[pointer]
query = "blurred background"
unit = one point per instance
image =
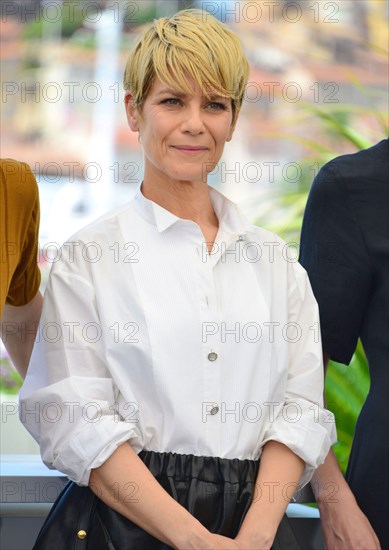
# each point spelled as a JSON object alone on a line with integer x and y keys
{"x": 318, "y": 88}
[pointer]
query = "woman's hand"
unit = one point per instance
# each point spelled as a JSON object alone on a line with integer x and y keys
{"x": 345, "y": 526}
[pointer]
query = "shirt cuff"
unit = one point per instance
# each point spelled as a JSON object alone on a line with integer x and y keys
{"x": 87, "y": 449}
{"x": 309, "y": 432}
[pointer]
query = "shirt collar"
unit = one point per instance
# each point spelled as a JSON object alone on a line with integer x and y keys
{"x": 231, "y": 218}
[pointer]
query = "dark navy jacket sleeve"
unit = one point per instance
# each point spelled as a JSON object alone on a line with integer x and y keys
{"x": 335, "y": 256}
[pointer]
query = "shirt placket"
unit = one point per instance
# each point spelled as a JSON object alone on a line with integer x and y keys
{"x": 212, "y": 351}
{"x": 210, "y": 348}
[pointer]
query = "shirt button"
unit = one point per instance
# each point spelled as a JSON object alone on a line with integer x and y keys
{"x": 214, "y": 410}
{"x": 212, "y": 356}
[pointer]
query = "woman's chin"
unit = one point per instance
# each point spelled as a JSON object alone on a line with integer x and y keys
{"x": 186, "y": 176}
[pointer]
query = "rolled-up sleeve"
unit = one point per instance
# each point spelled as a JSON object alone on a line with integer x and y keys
{"x": 301, "y": 423}
{"x": 67, "y": 401}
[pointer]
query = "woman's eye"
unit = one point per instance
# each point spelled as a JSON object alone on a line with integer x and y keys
{"x": 217, "y": 106}
{"x": 171, "y": 101}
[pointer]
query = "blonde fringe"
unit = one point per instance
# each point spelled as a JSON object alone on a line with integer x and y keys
{"x": 190, "y": 43}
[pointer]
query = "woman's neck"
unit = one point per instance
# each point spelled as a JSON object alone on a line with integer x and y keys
{"x": 185, "y": 199}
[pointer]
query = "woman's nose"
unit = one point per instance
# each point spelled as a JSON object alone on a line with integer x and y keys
{"x": 193, "y": 120}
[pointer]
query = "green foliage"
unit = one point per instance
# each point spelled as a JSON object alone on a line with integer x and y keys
{"x": 336, "y": 121}
{"x": 147, "y": 11}
{"x": 10, "y": 381}
{"x": 33, "y": 29}
{"x": 71, "y": 20}
{"x": 31, "y": 62}
{"x": 144, "y": 15}
{"x": 346, "y": 390}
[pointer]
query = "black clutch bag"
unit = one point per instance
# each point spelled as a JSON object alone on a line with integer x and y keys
{"x": 78, "y": 520}
{"x": 74, "y": 523}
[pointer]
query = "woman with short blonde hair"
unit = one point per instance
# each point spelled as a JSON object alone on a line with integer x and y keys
{"x": 196, "y": 407}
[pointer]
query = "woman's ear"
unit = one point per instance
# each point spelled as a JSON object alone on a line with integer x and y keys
{"x": 131, "y": 112}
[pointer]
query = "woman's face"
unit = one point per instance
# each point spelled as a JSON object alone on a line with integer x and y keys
{"x": 182, "y": 135}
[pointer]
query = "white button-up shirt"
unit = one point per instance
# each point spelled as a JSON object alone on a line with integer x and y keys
{"x": 146, "y": 337}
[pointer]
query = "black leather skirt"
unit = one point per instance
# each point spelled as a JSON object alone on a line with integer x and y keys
{"x": 216, "y": 491}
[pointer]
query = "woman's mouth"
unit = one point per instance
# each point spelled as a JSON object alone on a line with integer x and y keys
{"x": 190, "y": 148}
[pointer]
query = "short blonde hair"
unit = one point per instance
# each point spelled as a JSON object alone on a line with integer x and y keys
{"x": 191, "y": 42}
